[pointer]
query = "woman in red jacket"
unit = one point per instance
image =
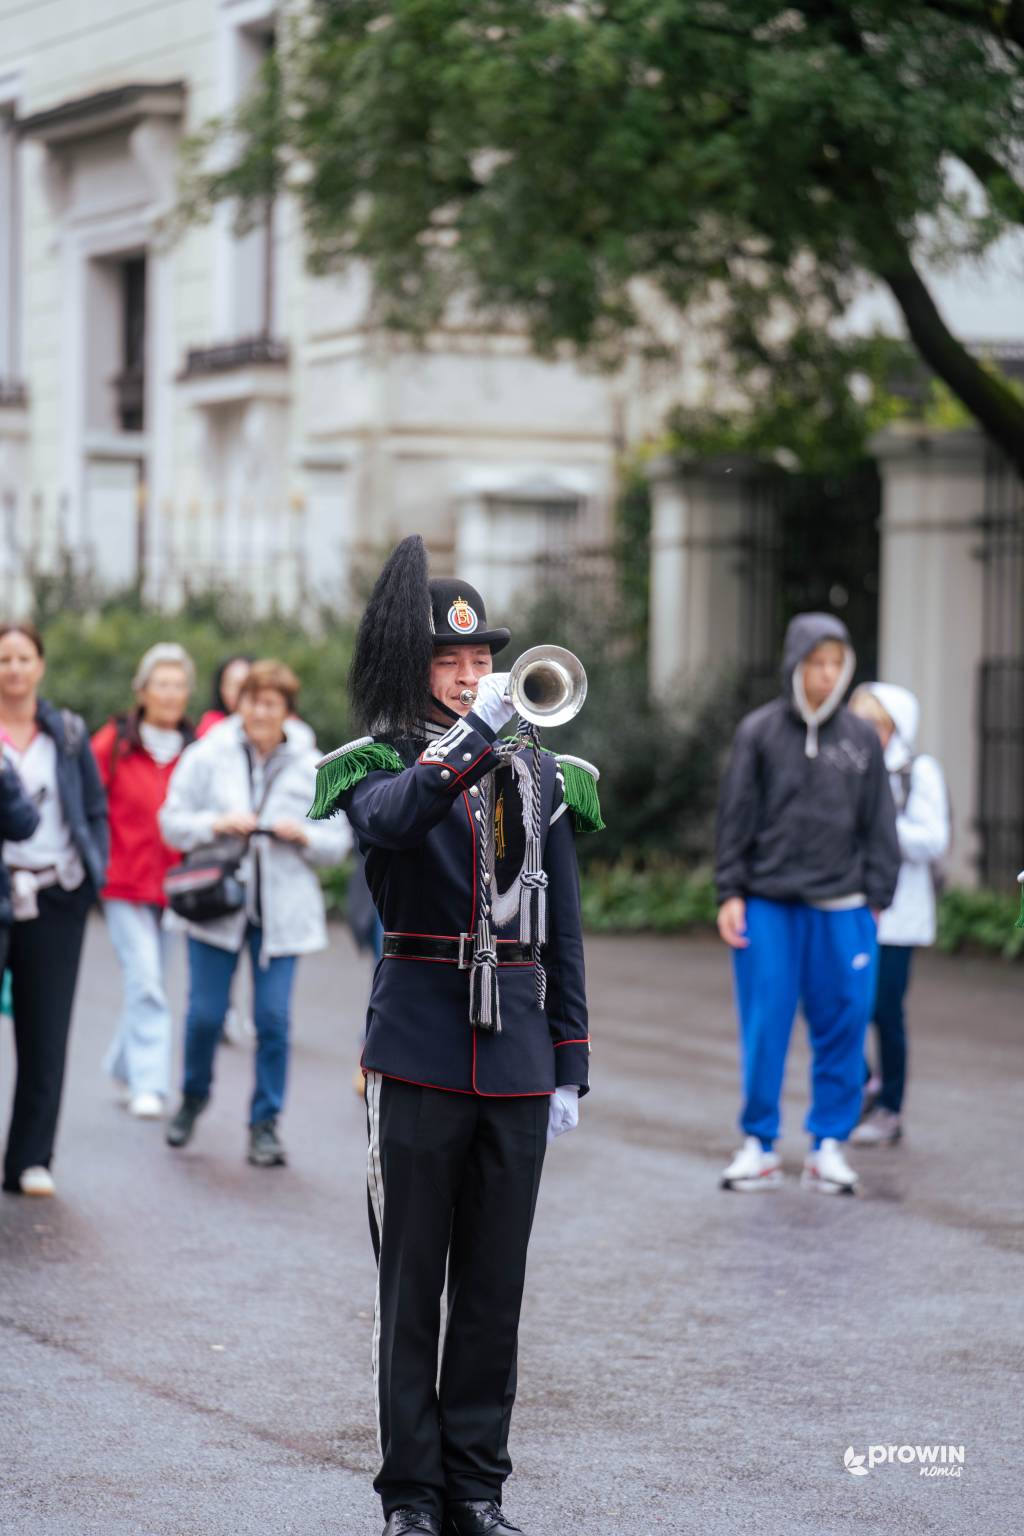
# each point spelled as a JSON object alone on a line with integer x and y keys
{"x": 136, "y": 754}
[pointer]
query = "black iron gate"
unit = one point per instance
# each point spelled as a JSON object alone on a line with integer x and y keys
{"x": 1000, "y": 816}
{"x": 811, "y": 544}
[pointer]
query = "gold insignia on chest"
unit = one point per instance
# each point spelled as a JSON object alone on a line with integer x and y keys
{"x": 499, "y": 827}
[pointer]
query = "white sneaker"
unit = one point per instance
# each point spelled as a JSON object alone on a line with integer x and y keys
{"x": 880, "y": 1127}
{"x": 146, "y": 1106}
{"x": 753, "y": 1168}
{"x": 827, "y": 1170}
{"x": 37, "y": 1181}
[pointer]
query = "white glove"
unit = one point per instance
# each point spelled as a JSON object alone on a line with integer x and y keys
{"x": 563, "y": 1112}
{"x": 492, "y": 704}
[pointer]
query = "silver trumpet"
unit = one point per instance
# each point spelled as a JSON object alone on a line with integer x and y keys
{"x": 547, "y": 685}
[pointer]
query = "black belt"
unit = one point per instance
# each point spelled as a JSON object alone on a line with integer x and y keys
{"x": 404, "y": 946}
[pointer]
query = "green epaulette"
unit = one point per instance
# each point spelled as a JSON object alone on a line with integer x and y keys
{"x": 579, "y": 784}
{"x": 579, "y": 779}
{"x": 345, "y": 766}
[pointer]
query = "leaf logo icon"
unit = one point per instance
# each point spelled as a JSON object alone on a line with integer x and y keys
{"x": 854, "y": 1464}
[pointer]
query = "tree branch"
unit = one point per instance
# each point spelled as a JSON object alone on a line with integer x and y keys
{"x": 995, "y": 407}
{"x": 1005, "y": 193}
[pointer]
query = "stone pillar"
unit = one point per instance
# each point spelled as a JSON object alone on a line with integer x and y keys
{"x": 931, "y": 597}
{"x": 699, "y": 530}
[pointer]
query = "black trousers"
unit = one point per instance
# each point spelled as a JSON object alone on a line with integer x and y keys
{"x": 43, "y": 959}
{"x": 452, "y": 1180}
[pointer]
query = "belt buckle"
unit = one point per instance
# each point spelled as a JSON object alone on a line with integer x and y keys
{"x": 464, "y": 939}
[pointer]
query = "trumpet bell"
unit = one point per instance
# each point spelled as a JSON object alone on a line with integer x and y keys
{"x": 548, "y": 685}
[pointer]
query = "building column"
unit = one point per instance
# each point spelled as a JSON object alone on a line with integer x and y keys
{"x": 931, "y": 632}
{"x": 700, "y": 529}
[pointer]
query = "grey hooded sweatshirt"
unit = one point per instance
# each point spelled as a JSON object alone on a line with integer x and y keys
{"x": 806, "y": 812}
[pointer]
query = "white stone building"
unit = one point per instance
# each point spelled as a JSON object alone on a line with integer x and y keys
{"x": 205, "y": 410}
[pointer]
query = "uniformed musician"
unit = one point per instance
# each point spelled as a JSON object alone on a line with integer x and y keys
{"x": 477, "y": 1042}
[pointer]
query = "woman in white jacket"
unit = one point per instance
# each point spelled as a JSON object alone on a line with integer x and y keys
{"x": 257, "y": 770}
{"x": 923, "y": 828}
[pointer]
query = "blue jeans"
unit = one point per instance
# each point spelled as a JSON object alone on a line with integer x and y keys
{"x": 140, "y": 1053}
{"x": 211, "y": 971}
{"x": 828, "y": 961}
{"x": 893, "y": 978}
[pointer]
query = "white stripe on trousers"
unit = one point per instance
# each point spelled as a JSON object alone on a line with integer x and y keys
{"x": 375, "y": 1185}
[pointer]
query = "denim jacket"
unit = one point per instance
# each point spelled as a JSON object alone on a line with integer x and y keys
{"x": 82, "y": 796}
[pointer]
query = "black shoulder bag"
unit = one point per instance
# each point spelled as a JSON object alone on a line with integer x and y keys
{"x": 205, "y": 885}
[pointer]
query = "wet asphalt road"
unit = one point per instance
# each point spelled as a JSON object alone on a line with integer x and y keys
{"x": 184, "y": 1340}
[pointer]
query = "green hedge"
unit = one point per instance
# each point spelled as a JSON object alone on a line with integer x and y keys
{"x": 980, "y": 920}
{"x": 91, "y": 657}
{"x": 656, "y": 898}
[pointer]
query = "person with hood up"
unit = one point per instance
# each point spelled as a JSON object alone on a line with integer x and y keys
{"x": 806, "y": 859}
{"x": 923, "y": 829}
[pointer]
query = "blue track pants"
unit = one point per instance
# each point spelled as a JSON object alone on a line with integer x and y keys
{"x": 828, "y": 962}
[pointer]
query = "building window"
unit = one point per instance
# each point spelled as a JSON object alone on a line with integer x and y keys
{"x": 116, "y": 343}
{"x": 254, "y": 255}
{"x": 534, "y": 532}
{"x": 130, "y": 383}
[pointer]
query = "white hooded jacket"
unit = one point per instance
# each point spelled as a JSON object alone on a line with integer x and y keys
{"x": 922, "y": 825}
{"x": 212, "y": 778}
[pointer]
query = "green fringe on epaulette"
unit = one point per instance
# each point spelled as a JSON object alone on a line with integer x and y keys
{"x": 580, "y": 793}
{"x": 1020, "y": 921}
{"x": 582, "y": 798}
{"x": 342, "y": 772}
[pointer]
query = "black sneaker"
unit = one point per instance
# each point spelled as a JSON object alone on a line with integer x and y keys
{"x": 265, "y": 1150}
{"x": 179, "y": 1130}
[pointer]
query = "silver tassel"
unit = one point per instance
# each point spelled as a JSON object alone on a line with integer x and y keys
{"x": 533, "y": 900}
{"x": 484, "y": 1004}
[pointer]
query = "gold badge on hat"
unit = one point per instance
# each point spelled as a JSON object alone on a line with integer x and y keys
{"x": 462, "y": 617}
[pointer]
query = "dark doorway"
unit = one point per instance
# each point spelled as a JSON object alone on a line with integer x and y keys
{"x": 811, "y": 545}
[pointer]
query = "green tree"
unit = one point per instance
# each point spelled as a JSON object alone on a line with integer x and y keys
{"x": 535, "y": 159}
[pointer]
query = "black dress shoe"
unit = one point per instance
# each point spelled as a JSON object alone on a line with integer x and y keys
{"x": 179, "y": 1130}
{"x": 265, "y": 1150}
{"x": 402, "y": 1520}
{"x": 477, "y": 1517}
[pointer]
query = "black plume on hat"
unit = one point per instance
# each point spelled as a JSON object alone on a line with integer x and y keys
{"x": 389, "y": 682}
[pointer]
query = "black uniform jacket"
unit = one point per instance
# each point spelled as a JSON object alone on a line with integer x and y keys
{"x": 419, "y": 830}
